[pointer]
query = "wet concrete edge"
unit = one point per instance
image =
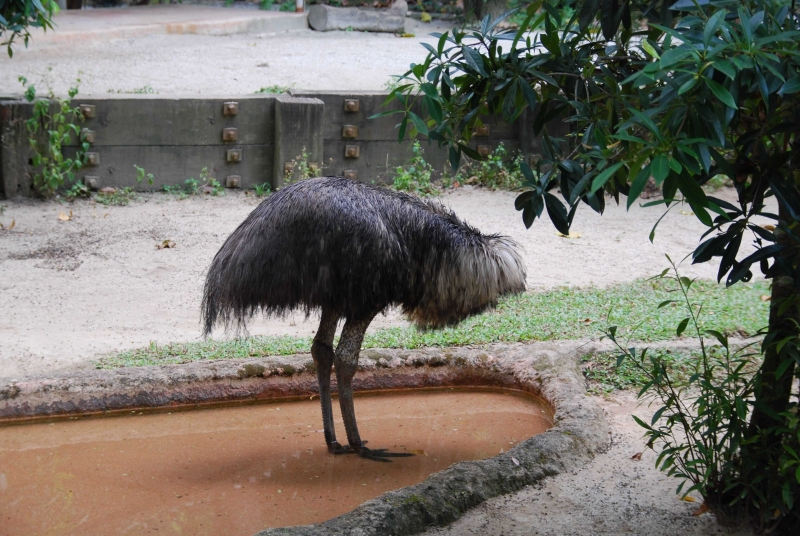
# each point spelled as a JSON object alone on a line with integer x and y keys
{"x": 549, "y": 370}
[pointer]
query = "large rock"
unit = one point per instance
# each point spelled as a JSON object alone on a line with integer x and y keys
{"x": 326, "y": 18}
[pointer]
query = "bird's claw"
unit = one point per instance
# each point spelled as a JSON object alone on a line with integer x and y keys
{"x": 382, "y": 455}
{"x": 335, "y": 448}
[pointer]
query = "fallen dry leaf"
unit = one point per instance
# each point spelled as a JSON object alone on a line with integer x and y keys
{"x": 637, "y": 456}
{"x": 166, "y": 244}
{"x": 768, "y": 227}
{"x": 765, "y": 298}
{"x": 4, "y": 228}
{"x": 456, "y": 184}
{"x": 418, "y": 452}
{"x": 587, "y": 320}
{"x": 688, "y": 499}
{"x": 700, "y": 511}
{"x": 686, "y": 213}
{"x": 107, "y": 190}
{"x": 571, "y": 234}
{"x": 516, "y": 461}
{"x": 63, "y": 216}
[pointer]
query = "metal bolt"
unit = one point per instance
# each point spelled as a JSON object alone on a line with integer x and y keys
{"x": 87, "y": 110}
{"x": 91, "y": 182}
{"x": 230, "y": 134}
{"x": 230, "y": 108}
{"x": 87, "y": 135}
{"x": 351, "y": 105}
{"x": 482, "y": 130}
{"x": 352, "y": 151}
{"x": 233, "y": 181}
{"x": 351, "y": 174}
{"x": 350, "y": 131}
{"x": 92, "y": 159}
{"x": 484, "y": 150}
{"x": 234, "y": 155}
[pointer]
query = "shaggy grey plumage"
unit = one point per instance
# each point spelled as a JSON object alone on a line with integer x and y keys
{"x": 351, "y": 250}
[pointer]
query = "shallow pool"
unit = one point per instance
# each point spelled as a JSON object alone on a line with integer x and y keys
{"x": 238, "y": 469}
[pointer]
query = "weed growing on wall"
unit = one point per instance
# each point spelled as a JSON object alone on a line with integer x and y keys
{"x": 301, "y": 168}
{"x": 53, "y": 125}
{"x": 416, "y": 176}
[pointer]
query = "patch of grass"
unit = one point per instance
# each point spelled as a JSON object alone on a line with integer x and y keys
{"x": 498, "y": 171}
{"x": 119, "y": 197}
{"x": 207, "y": 185}
{"x": 144, "y": 90}
{"x": 565, "y": 313}
{"x": 275, "y": 89}
{"x": 198, "y": 351}
{"x": 605, "y": 376}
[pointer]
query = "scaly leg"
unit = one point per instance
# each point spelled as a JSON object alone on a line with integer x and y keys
{"x": 322, "y": 352}
{"x": 346, "y": 365}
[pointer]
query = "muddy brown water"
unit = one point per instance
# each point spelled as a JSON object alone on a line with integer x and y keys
{"x": 237, "y": 470}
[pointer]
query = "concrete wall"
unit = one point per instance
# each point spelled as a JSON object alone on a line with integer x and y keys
{"x": 251, "y": 139}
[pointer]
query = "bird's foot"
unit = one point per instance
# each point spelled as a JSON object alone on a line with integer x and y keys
{"x": 378, "y": 455}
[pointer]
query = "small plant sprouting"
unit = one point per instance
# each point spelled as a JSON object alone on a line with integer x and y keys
{"x": 52, "y": 126}
{"x": 261, "y": 190}
{"x": 141, "y": 175}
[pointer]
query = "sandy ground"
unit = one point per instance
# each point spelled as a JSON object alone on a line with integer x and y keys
{"x": 73, "y": 290}
{"x": 220, "y": 65}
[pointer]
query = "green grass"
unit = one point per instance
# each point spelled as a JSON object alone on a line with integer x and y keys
{"x": 565, "y": 313}
{"x": 605, "y": 376}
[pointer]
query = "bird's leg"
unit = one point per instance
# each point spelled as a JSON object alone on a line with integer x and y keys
{"x": 322, "y": 352}
{"x": 346, "y": 365}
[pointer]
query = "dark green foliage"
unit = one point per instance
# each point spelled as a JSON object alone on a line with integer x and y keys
{"x": 18, "y": 16}
{"x": 677, "y": 92}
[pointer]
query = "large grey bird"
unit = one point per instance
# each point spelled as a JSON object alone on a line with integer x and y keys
{"x": 351, "y": 250}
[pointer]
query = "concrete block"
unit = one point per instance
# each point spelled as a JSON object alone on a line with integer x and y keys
{"x": 154, "y": 120}
{"x": 325, "y": 18}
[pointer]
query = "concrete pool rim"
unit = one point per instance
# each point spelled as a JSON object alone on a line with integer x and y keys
{"x": 550, "y": 371}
